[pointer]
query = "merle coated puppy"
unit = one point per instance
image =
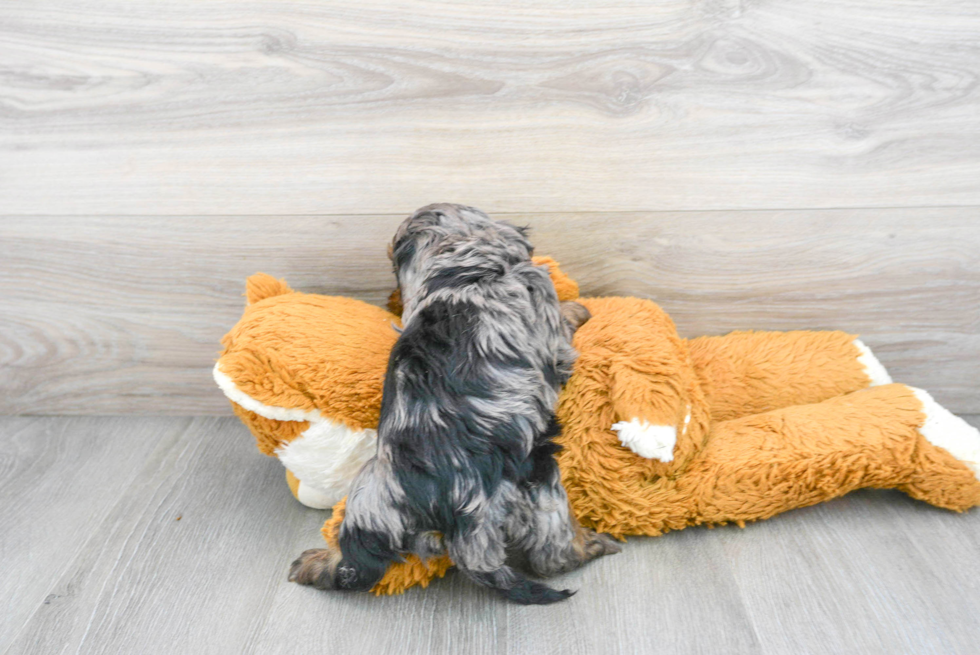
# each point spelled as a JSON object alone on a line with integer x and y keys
{"x": 466, "y": 457}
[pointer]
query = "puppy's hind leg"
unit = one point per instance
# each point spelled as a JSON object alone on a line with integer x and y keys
{"x": 479, "y": 553}
{"x": 543, "y": 526}
{"x": 316, "y": 567}
{"x": 371, "y": 531}
{"x": 357, "y": 565}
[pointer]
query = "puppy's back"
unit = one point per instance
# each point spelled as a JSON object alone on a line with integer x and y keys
{"x": 473, "y": 379}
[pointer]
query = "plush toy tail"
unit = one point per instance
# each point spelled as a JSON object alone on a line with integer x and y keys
{"x": 261, "y": 286}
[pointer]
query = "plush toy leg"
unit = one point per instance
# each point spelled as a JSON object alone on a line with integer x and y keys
{"x": 306, "y": 494}
{"x": 293, "y": 482}
{"x": 887, "y": 437}
{"x": 746, "y": 373}
{"x": 949, "y": 443}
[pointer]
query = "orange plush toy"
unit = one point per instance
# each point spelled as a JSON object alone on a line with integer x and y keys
{"x": 659, "y": 432}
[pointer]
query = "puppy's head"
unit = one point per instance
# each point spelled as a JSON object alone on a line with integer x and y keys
{"x": 446, "y": 234}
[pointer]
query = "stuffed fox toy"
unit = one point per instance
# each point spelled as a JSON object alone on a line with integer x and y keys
{"x": 659, "y": 432}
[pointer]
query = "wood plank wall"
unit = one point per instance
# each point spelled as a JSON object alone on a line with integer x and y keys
{"x": 746, "y": 164}
{"x": 123, "y": 314}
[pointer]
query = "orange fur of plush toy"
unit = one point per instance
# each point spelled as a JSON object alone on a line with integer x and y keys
{"x": 764, "y": 421}
{"x": 279, "y": 361}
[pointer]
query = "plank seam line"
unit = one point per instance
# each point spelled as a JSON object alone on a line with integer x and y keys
{"x": 506, "y": 213}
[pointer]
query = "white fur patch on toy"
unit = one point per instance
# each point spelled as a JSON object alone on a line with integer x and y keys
{"x": 324, "y": 458}
{"x": 646, "y": 440}
{"x": 239, "y": 397}
{"x": 872, "y": 367}
{"x": 948, "y": 431}
{"x": 327, "y": 456}
{"x": 311, "y": 497}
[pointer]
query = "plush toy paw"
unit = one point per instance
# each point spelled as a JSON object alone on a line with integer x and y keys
{"x": 306, "y": 494}
{"x": 877, "y": 375}
{"x": 948, "y": 431}
{"x": 646, "y": 440}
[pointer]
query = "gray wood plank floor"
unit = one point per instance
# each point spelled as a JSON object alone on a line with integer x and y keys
{"x": 172, "y": 535}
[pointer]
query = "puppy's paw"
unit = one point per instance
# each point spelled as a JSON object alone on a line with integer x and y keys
{"x": 315, "y": 567}
{"x": 597, "y": 545}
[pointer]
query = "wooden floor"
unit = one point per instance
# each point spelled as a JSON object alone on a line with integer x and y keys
{"x": 173, "y": 535}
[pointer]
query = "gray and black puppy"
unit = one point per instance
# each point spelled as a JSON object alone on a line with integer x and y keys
{"x": 466, "y": 452}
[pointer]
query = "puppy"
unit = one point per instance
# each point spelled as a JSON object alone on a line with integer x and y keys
{"x": 466, "y": 457}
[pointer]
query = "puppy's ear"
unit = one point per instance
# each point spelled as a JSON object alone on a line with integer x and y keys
{"x": 574, "y": 314}
{"x": 448, "y": 245}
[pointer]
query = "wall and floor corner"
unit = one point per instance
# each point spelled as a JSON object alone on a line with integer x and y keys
{"x": 746, "y": 165}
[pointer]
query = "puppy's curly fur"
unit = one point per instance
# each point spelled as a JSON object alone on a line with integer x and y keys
{"x": 465, "y": 459}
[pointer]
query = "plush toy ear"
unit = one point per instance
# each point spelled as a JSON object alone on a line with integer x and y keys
{"x": 261, "y": 286}
{"x": 395, "y": 302}
{"x": 566, "y": 287}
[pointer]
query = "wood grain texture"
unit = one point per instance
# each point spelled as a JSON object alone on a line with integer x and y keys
{"x": 186, "y": 560}
{"x": 858, "y": 575}
{"x": 332, "y": 107}
{"x": 869, "y": 573}
{"x": 649, "y": 599}
{"x": 622, "y": 606}
{"x": 110, "y": 315}
{"x": 59, "y": 478}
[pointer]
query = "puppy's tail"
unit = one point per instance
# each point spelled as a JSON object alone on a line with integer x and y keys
{"x": 513, "y": 586}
